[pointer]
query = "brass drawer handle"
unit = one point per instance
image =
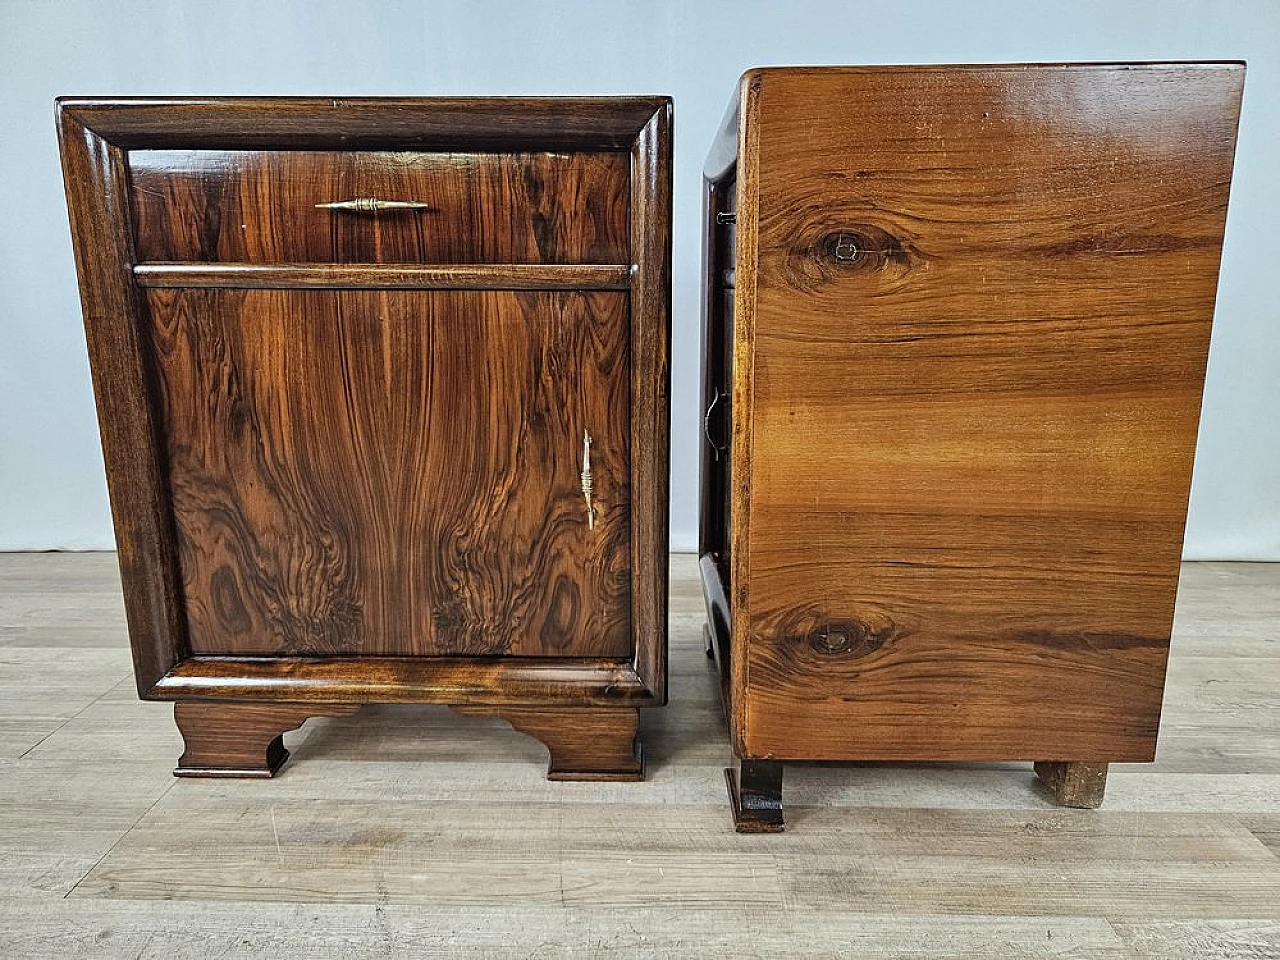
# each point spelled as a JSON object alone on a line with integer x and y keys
{"x": 587, "y": 482}
{"x": 372, "y": 205}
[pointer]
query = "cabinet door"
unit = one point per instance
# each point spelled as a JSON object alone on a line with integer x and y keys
{"x": 397, "y": 472}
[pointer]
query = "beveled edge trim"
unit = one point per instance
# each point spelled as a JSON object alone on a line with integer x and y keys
{"x": 431, "y": 123}
{"x": 650, "y": 308}
{"x": 1019, "y": 65}
{"x": 746, "y": 265}
{"x": 504, "y": 276}
{"x": 527, "y": 681}
{"x": 95, "y": 175}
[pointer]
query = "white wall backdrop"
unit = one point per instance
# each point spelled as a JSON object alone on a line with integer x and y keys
{"x": 52, "y": 489}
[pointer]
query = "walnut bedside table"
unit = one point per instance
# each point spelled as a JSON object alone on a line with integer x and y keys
{"x": 382, "y": 387}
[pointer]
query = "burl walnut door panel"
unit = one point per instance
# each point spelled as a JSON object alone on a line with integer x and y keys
{"x": 981, "y": 314}
{"x": 397, "y": 473}
{"x": 261, "y": 206}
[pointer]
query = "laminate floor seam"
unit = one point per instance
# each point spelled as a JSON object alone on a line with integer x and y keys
{"x": 75, "y": 716}
{"x": 120, "y": 839}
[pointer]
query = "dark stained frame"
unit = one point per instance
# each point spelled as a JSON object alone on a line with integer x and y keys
{"x": 95, "y": 135}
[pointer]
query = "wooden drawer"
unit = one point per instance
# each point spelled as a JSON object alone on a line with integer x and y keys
{"x": 261, "y": 206}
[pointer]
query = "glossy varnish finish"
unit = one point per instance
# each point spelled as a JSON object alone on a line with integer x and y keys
{"x": 241, "y": 739}
{"x": 226, "y": 205}
{"x": 583, "y": 744}
{"x": 397, "y": 473}
{"x": 385, "y": 276}
{"x": 972, "y": 318}
{"x": 346, "y": 448}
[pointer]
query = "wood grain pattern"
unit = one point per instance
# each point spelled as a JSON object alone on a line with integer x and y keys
{"x": 742, "y": 395}
{"x": 972, "y": 319}
{"x": 260, "y": 206}
{"x": 385, "y": 276}
{"x": 1074, "y": 784}
{"x": 242, "y": 739}
{"x": 95, "y": 177}
{"x": 650, "y": 312}
{"x": 386, "y": 473}
{"x": 345, "y": 449}
{"x": 367, "y": 123}
{"x": 599, "y": 745}
{"x": 514, "y": 681}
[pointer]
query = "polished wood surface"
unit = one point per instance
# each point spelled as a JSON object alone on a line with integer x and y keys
{"x": 260, "y": 206}
{"x": 584, "y": 743}
{"x": 513, "y": 681}
{"x": 341, "y": 440}
{"x": 385, "y": 276}
{"x": 366, "y": 123}
{"x": 967, "y": 345}
{"x": 650, "y": 315}
{"x": 398, "y": 830}
{"x": 241, "y": 739}
{"x": 96, "y": 181}
{"x": 390, "y": 473}
{"x": 972, "y": 443}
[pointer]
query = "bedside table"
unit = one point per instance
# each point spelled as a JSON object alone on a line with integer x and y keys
{"x": 382, "y": 387}
{"x": 956, "y": 322}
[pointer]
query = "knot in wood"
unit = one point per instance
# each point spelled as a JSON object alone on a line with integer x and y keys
{"x": 823, "y": 252}
{"x": 862, "y": 246}
{"x": 844, "y": 637}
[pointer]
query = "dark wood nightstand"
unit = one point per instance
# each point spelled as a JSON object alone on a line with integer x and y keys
{"x": 382, "y": 387}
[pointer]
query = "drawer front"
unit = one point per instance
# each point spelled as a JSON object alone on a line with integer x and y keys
{"x": 261, "y": 206}
{"x": 398, "y": 473}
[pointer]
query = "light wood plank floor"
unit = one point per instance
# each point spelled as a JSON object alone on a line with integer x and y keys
{"x": 415, "y": 832}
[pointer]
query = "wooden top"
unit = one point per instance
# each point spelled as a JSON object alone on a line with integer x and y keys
{"x": 426, "y": 123}
{"x": 973, "y": 309}
{"x": 724, "y": 147}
